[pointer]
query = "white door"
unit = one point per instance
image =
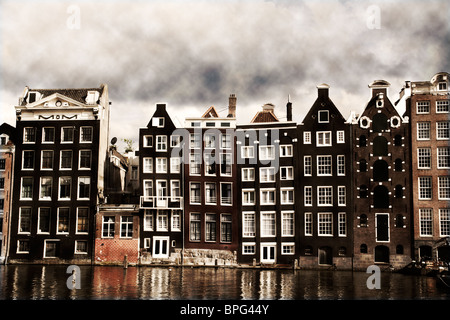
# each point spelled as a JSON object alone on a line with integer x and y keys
{"x": 160, "y": 247}
{"x": 161, "y": 192}
{"x": 268, "y": 253}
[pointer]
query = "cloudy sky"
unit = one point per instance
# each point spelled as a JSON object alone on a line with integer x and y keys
{"x": 193, "y": 54}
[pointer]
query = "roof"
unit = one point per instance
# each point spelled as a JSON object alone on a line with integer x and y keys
{"x": 264, "y": 116}
{"x": 75, "y": 94}
{"x": 211, "y": 113}
{"x": 9, "y": 130}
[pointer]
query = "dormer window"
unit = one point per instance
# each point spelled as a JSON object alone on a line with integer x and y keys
{"x": 442, "y": 86}
{"x": 323, "y": 116}
{"x": 158, "y": 122}
{"x": 92, "y": 97}
{"x": 33, "y": 96}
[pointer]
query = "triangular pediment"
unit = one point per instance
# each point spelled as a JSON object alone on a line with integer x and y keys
{"x": 56, "y": 100}
{"x": 211, "y": 113}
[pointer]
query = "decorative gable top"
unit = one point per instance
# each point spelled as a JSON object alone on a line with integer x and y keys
{"x": 211, "y": 113}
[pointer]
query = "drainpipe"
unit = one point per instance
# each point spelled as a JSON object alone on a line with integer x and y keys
{"x": 11, "y": 184}
{"x": 183, "y": 193}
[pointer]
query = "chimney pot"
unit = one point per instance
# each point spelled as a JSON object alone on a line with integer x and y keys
{"x": 232, "y": 106}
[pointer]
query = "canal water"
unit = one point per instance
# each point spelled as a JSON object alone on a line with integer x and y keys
{"x": 32, "y": 282}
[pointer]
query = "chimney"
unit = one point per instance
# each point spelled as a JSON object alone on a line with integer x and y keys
{"x": 232, "y": 106}
{"x": 289, "y": 110}
{"x": 160, "y": 106}
{"x": 322, "y": 90}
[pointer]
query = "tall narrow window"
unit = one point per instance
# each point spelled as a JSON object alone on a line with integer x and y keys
{"x": 48, "y": 135}
{"x": 194, "y": 193}
{"x": 287, "y": 224}
{"x": 108, "y": 226}
{"x": 341, "y": 165}
{"x": 426, "y": 222}
{"x": 443, "y": 154}
{"x": 82, "y": 220}
{"x": 308, "y": 224}
{"x": 44, "y": 220}
{"x": 307, "y": 165}
{"x": 46, "y": 188}
{"x": 342, "y": 224}
{"x": 28, "y": 160}
{"x": 325, "y": 224}
{"x": 24, "y": 220}
{"x": 195, "y": 232}
{"x": 444, "y": 222}
{"x": 424, "y": 158}
{"x": 444, "y": 187}
{"x": 27, "y": 188}
{"x": 47, "y": 159}
{"x": 66, "y": 160}
{"x": 423, "y": 130}
{"x": 29, "y": 135}
{"x": 63, "y": 220}
{"x": 210, "y": 193}
{"x": 425, "y": 188}
{"x": 268, "y": 224}
{"x": 443, "y": 130}
{"x": 161, "y": 143}
{"x": 126, "y": 227}
{"x": 84, "y": 187}
{"x": 67, "y": 134}
{"x": 65, "y": 188}
{"x": 225, "y": 193}
{"x": 210, "y": 227}
{"x": 85, "y": 159}
{"x": 225, "y": 227}
{"x": 86, "y": 134}
{"x": 307, "y": 195}
{"x": 248, "y": 225}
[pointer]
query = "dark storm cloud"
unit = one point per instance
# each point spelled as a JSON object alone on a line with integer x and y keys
{"x": 195, "y": 53}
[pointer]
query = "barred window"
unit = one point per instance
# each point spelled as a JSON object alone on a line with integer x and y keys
{"x": 443, "y": 157}
{"x": 426, "y": 222}
{"x": 324, "y": 196}
{"x": 425, "y": 188}
{"x": 423, "y": 107}
{"x": 444, "y": 222}
{"x": 325, "y": 224}
{"x": 443, "y": 130}
{"x": 324, "y": 166}
{"x": 442, "y": 106}
{"x": 424, "y": 158}
{"x": 444, "y": 187}
{"x": 423, "y": 131}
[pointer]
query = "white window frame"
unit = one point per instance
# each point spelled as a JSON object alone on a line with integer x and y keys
{"x": 289, "y": 173}
{"x": 439, "y": 136}
{"x": 266, "y": 171}
{"x": 78, "y": 188}
{"x": 57, "y": 221}
{"x": 63, "y": 136}
{"x": 342, "y": 224}
{"x": 443, "y": 187}
{"x": 444, "y": 222}
{"x": 428, "y": 219}
{"x": 225, "y": 141}
{"x": 308, "y": 227}
{"x": 285, "y": 195}
{"x": 76, "y": 229}
{"x": 40, "y": 189}
{"x": 340, "y": 136}
{"x": 44, "y": 135}
{"x": 423, "y": 130}
{"x": 424, "y": 157}
{"x": 211, "y": 200}
{"x": 248, "y": 224}
{"x": 272, "y": 231}
{"x": 265, "y": 153}
{"x": 307, "y": 137}
{"x": 287, "y": 223}
{"x": 81, "y": 134}
{"x": 342, "y": 196}
{"x": 325, "y": 112}
{"x": 175, "y": 141}
{"x": 443, "y": 152}
{"x": 200, "y": 189}
{"x": 59, "y": 188}
{"x": 267, "y": 191}
{"x": 60, "y": 159}
{"x": 423, "y": 105}
{"x": 175, "y": 191}
{"x": 175, "y": 165}
{"x": 149, "y": 221}
{"x": 161, "y": 165}
{"x": 158, "y": 122}
{"x": 307, "y": 196}
{"x": 340, "y": 164}
{"x": 321, "y": 139}
{"x": 245, "y": 196}
{"x": 321, "y": 227}
{"x": 147, "y": 165}
{"x": 327, "y": 167}
{"x": 307, "y": 166}
{"x": 440, "y": 104}
{"x": 420, "y": 186}
{"x": 222, "y": 203}
{"x": 25, "y": 135}
{"x": 145, "y": 142}
{"x": 327, "y": 204}
{"x": 161, "y": 143}
{"x": 247, "y": 152}
{"x": 248, "y": 174}
{"x": 286, "y": 150}
{"x": 248, "y": 248}
{"x": 79, "y": 159}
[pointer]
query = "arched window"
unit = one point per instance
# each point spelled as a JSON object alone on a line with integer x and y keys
{"x": 363, "y": 248}
{"x": 398, "y": 165}
{"x": 380, "y": 171}
{"x": 399, "y": 191}
{"x": 362, "y": 141}
{"x": 399, "y": 249}
{"x": 363, "y": 220}
{"x": 399, "y": 221}
{"x": 379, "y": 122}
{"x": 362, "y": 191}
{"x": 380, "y": 146}
{"x": 398, "y": 140}
{"x": 362, "y": 165}
{"x": 380, "y": 197}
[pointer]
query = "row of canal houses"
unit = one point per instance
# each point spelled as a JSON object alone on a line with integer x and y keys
{"x": 327, "y": 192}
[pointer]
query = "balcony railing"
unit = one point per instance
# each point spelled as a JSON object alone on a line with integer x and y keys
{"x": 161, "y": 202}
